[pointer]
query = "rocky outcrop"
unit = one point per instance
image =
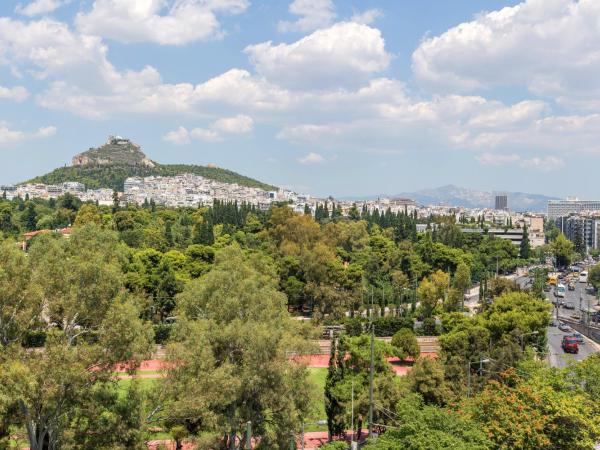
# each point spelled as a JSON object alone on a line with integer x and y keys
{"x": 116, "y": 150}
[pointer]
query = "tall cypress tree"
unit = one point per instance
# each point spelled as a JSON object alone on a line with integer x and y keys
{"x": 525, "y": 247}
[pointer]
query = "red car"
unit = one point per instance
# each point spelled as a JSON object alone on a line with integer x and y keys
{"x": 569, "y": 344}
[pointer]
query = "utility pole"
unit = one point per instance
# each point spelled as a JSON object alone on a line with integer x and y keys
{"x": 469, "y": 379}
{"x": 352, "y": 420}
{"x": 371, "y": 376}
{"x": 248, "y": 435}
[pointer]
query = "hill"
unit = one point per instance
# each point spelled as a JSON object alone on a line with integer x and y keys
{"x": 113, "y": 176}
{"x": 116, "y": 150}
{"x": 109, "y": 165}
{"x": 471, "y": 198}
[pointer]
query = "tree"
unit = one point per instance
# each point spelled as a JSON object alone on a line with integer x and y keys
{"x": 29, "y": 217}
{"x": 57, "y": 393}
{"x": 462, "y": 277}
{"x": 542, "y": 413}
{"x": 594, "y": 276}
{"x": 352, "y": 366}
{"x": 229, "y": 356}
{"x": 6, "y": 219}
{"x": 525, "y": 246}
{"x": 427, "y": 379}
{"x": 405, "y": 343}
{"x": 563, "y": 250}
{"x": 21, "y": 304}
{"x": 427, "y": 427}
{"x": 88, "y": 213}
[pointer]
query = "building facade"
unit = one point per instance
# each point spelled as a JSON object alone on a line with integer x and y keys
{"x": 576, "y": 227}
{"x": 564, "y": 208}
{"x": 501, "y": 201}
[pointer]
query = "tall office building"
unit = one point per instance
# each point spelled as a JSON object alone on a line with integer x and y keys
{"x": 561, "y": 208}
{"x": 501, "y": 201}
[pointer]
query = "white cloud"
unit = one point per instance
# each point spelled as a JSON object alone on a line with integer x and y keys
{"x": 166, "y": 22}
{"x": 544, "y": 45}
{"x": 9, "y": 136}
{"x": 218, "y": 130}
{"x": 314, "y": 14}
{"x": 299, "y": 91}
{"x": 179, "y": 136}
{"x": 45, "y": 132}
{"x": 367, "y": 17}
{"x": 17, "y": 93}
{"x": 204, "y": 134}
{"x": 544, "y": 163}
{"x": 240, "y": 124}
{"x": 311, "y": 158}
{"x": 344, "y": 55}
{"x": 37, "y": 7}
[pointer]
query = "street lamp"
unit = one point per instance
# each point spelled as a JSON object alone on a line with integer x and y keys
{"x": 481, "y": 362}
{"x": 521, "y": 336}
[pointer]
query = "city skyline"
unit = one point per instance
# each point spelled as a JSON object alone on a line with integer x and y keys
{"x": 429, "y": 94}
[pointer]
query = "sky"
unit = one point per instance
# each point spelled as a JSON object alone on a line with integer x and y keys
{"x": 342, "y": 98}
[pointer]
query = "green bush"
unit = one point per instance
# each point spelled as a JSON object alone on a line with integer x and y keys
{"x": 162, "y": 331}
{"x": 388, "y": 326}
{"x": 354, "y": 326}
{"x": 34, "y": 339}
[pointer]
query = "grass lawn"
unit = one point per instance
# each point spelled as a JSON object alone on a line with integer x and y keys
{"x": 317, "y": 376}
{"x": 144, "y": 383}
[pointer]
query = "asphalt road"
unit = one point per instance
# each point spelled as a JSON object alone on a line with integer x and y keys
{"x": 556, "y": 356}
{"x": 581, "y": 300}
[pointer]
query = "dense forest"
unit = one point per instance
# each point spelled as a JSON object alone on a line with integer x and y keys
{"x": 222, "y": 288}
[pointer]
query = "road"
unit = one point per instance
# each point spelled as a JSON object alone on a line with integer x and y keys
{"x": 582, "y": 301}
{"x": 556, "y": 356}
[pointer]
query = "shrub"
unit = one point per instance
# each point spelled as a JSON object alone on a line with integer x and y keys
{"x": 162, "y": 331}
{"x": 34, "y": 339}
{"x": 405, "y": 343}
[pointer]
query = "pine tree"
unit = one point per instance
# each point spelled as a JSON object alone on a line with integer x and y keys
{"x": 353, "y": 213}
{"x": 115, "y": 207}
{"x": 333, "y": 409}
{"x": 29, "y": 217}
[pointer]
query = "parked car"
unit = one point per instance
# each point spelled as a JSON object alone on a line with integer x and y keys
{"x": 579, "y": 338}
{"x": 569, "y": 344}
{"x": 564, "y": 327}
{"x": 569, "y": 305}
{"x": 546, "y": 288}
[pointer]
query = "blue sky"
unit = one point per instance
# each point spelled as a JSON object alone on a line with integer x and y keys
{"x": 328, "y": 97}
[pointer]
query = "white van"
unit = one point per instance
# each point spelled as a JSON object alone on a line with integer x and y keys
{"x": 583, "y": 277}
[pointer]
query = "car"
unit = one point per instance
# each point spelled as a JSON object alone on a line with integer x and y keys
{"x": 564, "y": 327}
{"x": 553, "y": 323}
{"x": 590, "y": 289}
{"x": 572, "y": 286}
{"x": 569, "y": 345}
{"x": 546, "y": 288}
{"x": 569, "y": 305}
{"x": 579, "y": 338}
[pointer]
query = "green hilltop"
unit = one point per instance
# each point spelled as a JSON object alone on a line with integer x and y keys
{"x": 109, "y": 165}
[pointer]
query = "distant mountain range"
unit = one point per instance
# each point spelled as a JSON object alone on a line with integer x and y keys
{"x": 471, "y": 198}
{"x": 109, "y": 165}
